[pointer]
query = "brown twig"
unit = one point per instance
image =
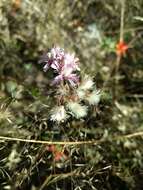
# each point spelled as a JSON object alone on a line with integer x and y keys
{"x": 121, "y": 38}
{"x": 92, "y": 142}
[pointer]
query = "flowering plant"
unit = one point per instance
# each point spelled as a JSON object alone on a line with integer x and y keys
{"x": 58, "y": 153}
{"x": 74, "y": 93}
{"x": 63, "y": 64}
{"x": 121, "y": 48}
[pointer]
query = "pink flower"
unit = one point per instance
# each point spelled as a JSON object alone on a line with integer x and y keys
{"x": 66, "y": 69}
{"x": 71, "y": 78}
{"x": 52, "y": 59}
{"x": 57, "y": 53}
{"x": 71, "y": 62}
{"x": 63, "y": 64}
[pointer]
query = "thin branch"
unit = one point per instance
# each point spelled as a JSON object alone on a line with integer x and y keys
{"x": 93, "y": 142}
{"x": 121, "y": 38}
{"x": 140, "y": 133}
{"x": 49, "y": 142}
{"x": 122, "y": 20}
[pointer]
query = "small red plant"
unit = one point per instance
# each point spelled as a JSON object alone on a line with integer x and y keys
{"x": 57, "y": 154}
{"x": 51, "y": 148}
{"x": 121, "y": 48}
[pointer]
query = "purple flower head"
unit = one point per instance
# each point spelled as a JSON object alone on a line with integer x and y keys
{"x": 71, "y": 62}
{"x": 63, "y": 64}
{"x": 72, "y": 78}
{"x": 68, "y": 66}
{"x": 53, "y": 58}
{"x": 57, "y": 53}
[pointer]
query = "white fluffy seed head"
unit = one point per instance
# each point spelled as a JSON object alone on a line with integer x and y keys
{"x": 93, "y": 98}
{"x": 58, "y": 114}
{"x": 80, "y": 93}
{"x": 86, "y": 84}
{"x": 77, "y": 110}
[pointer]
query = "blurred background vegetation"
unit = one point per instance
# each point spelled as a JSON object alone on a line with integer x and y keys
{"x": 91, "y": 29}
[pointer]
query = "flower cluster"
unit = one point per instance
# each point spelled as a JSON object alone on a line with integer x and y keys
{"x": 77, "y": 104}
{"x": 71, "y": 102}
{"x": 63, "y": 64}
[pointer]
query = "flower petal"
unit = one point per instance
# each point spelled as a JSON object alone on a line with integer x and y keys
{"x": 57, "y": 79}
